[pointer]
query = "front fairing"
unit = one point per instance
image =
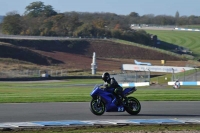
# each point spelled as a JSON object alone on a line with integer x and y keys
{"x": 96, "y": 91}
{"x": 106, "y": 96}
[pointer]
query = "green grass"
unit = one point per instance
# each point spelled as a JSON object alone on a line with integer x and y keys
{"x": 187, "y": 39}
{"x": 168, "y": 94}
{"x": 67, "y": 92}
{"x": 46, "y": 92}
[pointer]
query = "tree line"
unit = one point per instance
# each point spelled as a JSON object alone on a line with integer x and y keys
{"x": 43, "y": 20}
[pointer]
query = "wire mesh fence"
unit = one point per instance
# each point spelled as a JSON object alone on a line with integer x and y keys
{"x": 132, "y": 76}
{"x": 31, "y": 73}
{"x": 191, "y": 75}
{"x": 122, "y": 76}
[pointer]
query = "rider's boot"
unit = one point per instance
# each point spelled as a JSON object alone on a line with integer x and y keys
{"x": 120, "y": 100}
{"x": 123, "y": 100}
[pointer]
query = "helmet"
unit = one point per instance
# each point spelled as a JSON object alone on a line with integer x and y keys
{"x": 106, "y": 76}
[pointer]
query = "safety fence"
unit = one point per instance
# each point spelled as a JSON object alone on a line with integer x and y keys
{"x": 132, "y": 76}
{"x": 121, "y": 76}
{"x": 190, "y": 75}
{"x": 32, "y": 73}
{"x": 124, "y": 76}
{"x": 148, "y": 76}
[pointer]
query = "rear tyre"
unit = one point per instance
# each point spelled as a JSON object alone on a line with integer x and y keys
{"x": 133, "y": 106}
{"x": 97, "y": 109}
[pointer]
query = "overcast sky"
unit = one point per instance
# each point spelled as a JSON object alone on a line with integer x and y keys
{"x": 120, "y": 7}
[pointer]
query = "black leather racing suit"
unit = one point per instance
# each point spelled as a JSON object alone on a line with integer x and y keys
{"x": 112, "y": 83}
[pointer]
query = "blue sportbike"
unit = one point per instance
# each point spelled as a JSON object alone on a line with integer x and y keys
{"x": 104, "y": 101}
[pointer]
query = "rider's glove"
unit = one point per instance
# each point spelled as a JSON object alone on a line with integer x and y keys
{"x": 105, "y": 85}
{"x": 102, "y": 87}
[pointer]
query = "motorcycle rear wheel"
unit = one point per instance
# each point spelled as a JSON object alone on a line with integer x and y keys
{"x": 97, "y": 109}
{"x": 133, "y": 106}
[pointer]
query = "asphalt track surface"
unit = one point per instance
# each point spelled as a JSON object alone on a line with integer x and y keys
{"x": 25, "y": 112}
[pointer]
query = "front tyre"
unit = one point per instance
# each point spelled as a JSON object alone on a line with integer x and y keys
{"x": 95, "y": 108}
{"x": 133, "y": 106}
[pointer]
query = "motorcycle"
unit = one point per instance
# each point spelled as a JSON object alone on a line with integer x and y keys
{"x": 177, "y": 85}
{"x": 104, "y": 101}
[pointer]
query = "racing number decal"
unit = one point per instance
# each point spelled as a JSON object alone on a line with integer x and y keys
{"x": 120, "y": 109}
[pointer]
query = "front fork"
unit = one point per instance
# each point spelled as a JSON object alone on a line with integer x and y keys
{"x": 98, "y": 100}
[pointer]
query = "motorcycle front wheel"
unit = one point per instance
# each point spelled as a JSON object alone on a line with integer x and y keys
{"x": 97, "y": 109}
{"x": 133, "y": 106}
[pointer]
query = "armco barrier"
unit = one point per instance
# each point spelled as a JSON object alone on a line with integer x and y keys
{"x": 49, "y": 78}
{"x": 186, "y": 29}
{"x": 185, "y": 83}
{"x": 132, "y": 84}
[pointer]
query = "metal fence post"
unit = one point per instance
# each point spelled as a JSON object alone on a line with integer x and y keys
{"x": 195, "y": 74}
{"x": 135, "y": 76}
{"x": 184, "y": 74}
{"x": 149, "y": 75}
{"x": 39, "y": 73}
{"x": 172, "y": 74}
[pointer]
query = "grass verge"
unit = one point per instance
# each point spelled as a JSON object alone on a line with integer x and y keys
{"x": 79, "y": 91}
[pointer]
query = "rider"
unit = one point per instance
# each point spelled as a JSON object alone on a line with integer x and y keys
{"x": 177, "y": 84}
{"x": 112, "y": 83}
